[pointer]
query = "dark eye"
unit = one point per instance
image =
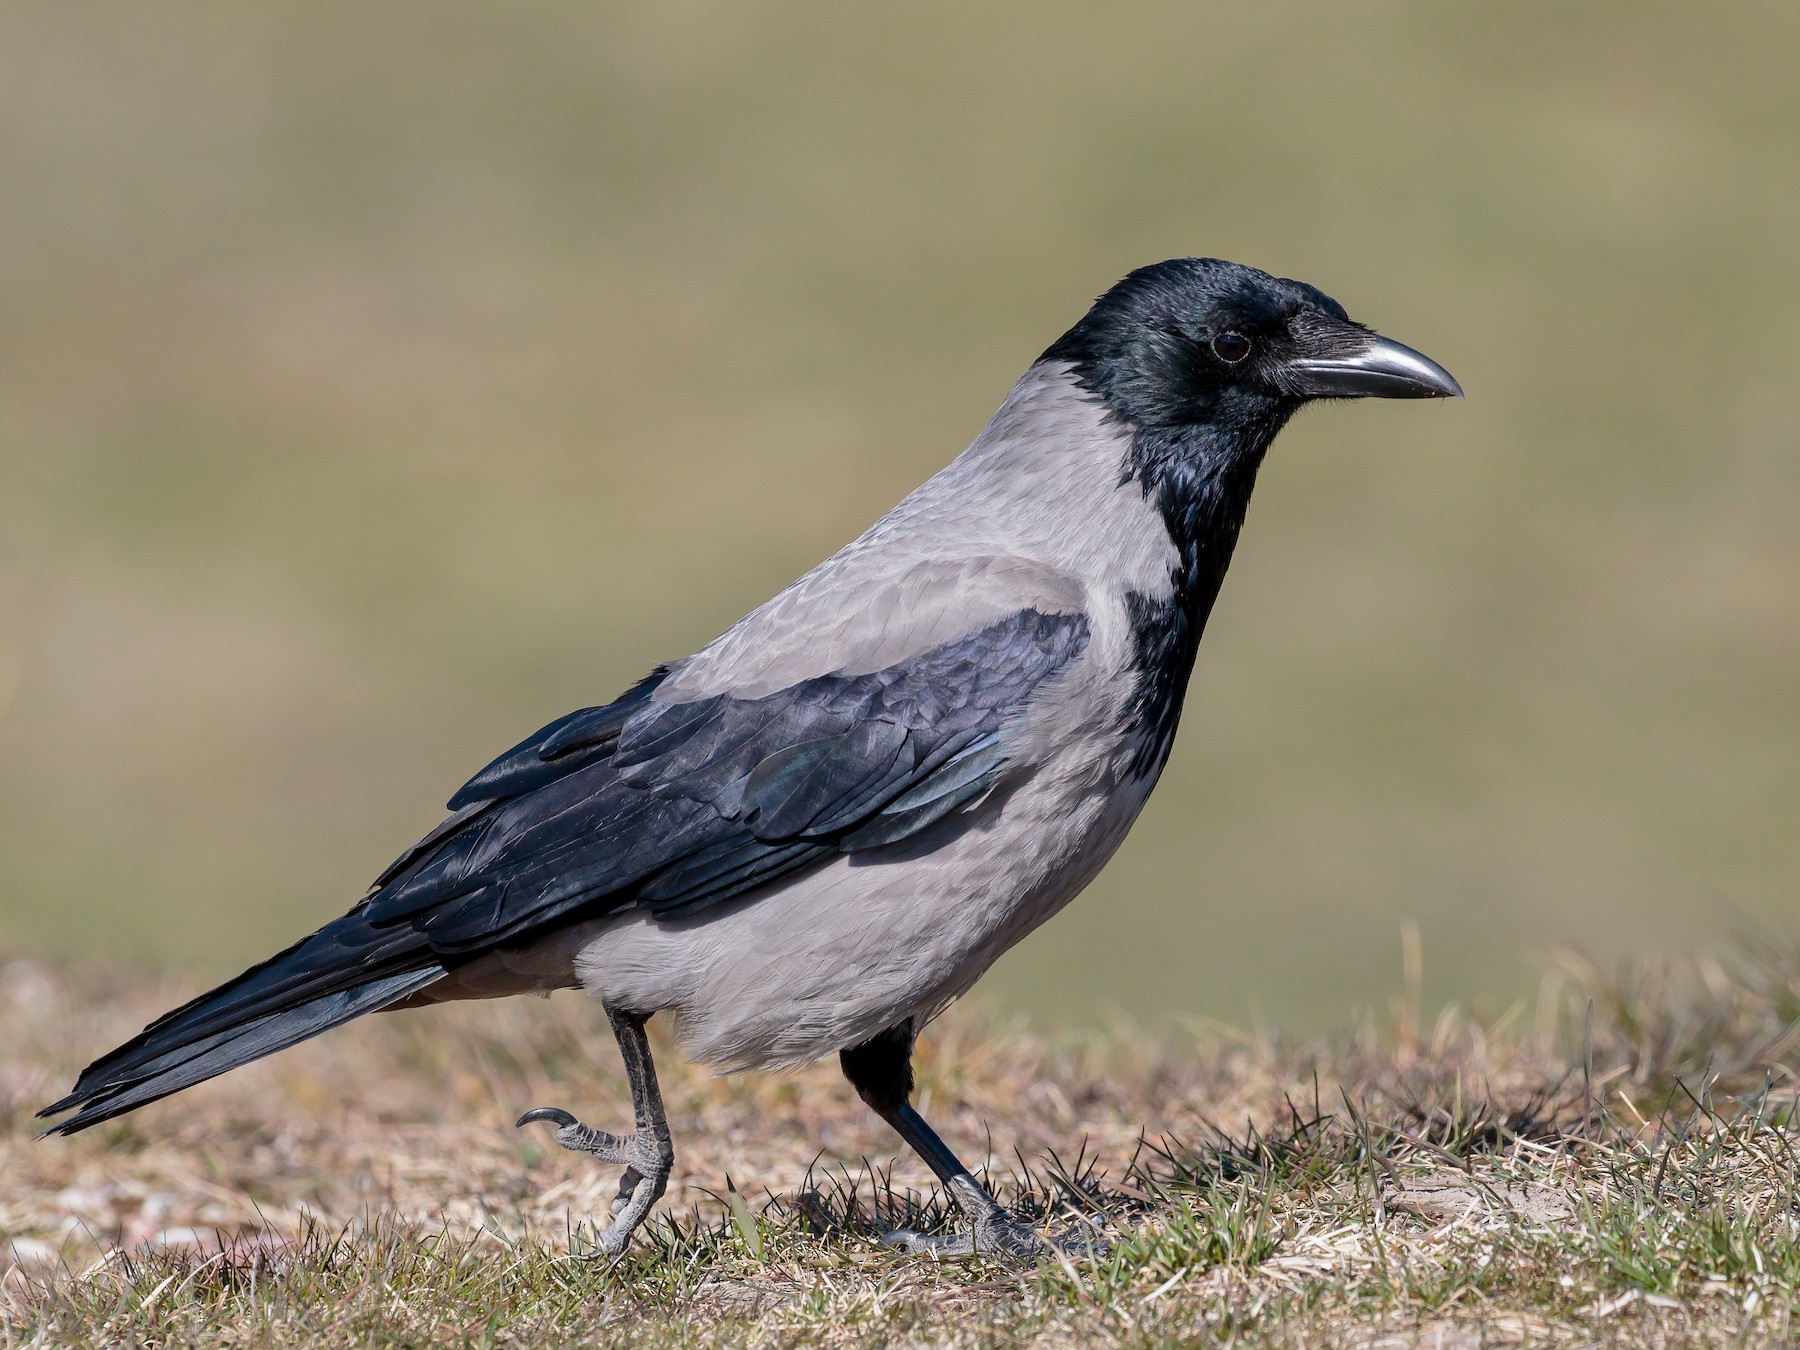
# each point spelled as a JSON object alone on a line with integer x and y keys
{"x": 1231, "y": 347}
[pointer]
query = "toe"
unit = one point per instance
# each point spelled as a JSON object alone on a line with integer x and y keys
{"x": 1010, "y": 1241}
{"x": 915, "y": 1243}
{"x": 1084, "y": 1242}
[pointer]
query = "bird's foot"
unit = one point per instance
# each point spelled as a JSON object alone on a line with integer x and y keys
{"x": 646, "y": 1174}
{"x": 991, "y": 1231}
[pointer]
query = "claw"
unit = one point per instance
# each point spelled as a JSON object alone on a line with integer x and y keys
{"x": 555, "y": 1115}
{"x": 573, "y": 1135}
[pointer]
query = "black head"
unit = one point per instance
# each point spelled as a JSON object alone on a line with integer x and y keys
{"x": 1203, "y": 361}
{"x": 1199, "y": 342}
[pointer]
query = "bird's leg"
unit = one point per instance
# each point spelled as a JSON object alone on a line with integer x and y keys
{"x": 880, "y": 1069}
{"x": 647, "y": 1156}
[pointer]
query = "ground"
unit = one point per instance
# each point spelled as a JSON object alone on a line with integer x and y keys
{"x": 1615, "y": 1165}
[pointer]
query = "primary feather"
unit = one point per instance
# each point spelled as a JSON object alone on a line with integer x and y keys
{"x": 669, "y": 806}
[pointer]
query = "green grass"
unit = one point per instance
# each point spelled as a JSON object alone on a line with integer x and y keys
{"x": 1622, "y": 1172}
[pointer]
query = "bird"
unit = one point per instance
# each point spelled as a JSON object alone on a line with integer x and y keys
{"x": 815, "y": 833}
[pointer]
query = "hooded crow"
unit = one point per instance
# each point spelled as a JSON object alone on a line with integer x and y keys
{"x": 812, "y": 835}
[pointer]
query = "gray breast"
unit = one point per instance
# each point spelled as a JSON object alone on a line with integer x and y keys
{"x": 1038, "y": 513}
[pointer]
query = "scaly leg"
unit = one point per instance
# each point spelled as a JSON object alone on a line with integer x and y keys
{"x": 880, "y": 1069}
{"x": 647, "y": 1156}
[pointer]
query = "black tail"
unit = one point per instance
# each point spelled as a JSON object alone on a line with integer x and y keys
{"x": 344, "y": 970}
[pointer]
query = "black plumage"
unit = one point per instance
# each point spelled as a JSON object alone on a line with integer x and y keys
{"x": 671, "y": 806}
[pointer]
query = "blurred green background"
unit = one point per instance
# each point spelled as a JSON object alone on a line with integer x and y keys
{"x": 380, "y": 381}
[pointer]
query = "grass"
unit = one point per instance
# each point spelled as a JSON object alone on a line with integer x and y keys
{"x": 380, "y": 382}
{"x": 1617, "y": 1165}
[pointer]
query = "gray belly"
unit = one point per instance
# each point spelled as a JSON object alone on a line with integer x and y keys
{"x": 841, "y": 953}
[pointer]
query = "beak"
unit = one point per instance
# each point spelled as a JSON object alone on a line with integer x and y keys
{"x": 1383, "y": 369}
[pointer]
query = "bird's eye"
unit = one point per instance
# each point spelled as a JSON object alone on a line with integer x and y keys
{"x": 1231, "y": 347}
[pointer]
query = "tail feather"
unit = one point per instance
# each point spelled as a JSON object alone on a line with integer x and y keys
{"x": 339, "y": 973}
{"x": 129, "y": 1088}
{"x": 345, "y": 954}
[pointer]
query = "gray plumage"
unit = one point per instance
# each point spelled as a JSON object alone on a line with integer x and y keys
{"x": 824, "y": 826}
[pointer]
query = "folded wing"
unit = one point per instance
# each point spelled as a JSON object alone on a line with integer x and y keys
{"x": 671, "y": 806}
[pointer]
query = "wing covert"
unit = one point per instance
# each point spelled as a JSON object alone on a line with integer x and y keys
{"x": 675, "y": 806}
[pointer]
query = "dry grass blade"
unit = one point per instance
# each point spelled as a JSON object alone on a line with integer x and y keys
{"x": 1478, "y": 1186}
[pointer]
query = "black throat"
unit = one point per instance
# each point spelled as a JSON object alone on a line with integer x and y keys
{"x": 1200, "y": 479}
{"x": 1199, "y": 425}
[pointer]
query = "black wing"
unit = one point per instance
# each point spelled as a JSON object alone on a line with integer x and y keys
{"x": 669, "y": 806}
{"x": 678, "y": 806}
